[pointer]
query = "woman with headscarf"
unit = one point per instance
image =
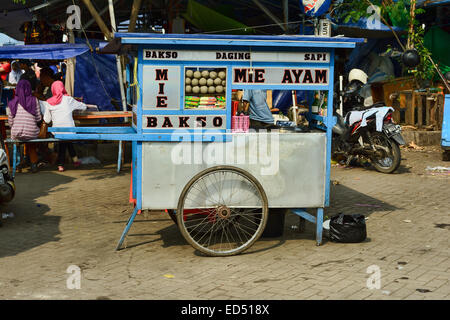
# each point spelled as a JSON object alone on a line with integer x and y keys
{"x": 23, "y": 116}
{"x": 58, "y": 109}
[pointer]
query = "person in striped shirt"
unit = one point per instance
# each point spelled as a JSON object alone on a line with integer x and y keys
{"x": 24, "y": 114}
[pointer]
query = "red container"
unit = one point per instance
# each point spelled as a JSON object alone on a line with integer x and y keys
{"x": 240, "y": 123}
{"x": 234, "y": 107}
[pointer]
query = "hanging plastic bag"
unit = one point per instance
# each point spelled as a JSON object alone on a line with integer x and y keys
{"x": 348, "y": 228}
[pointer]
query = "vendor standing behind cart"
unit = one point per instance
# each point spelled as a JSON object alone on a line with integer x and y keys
{"x": 260, "y": 115}
{"x": 15, "y": 74}
{"x": 59, "y": 110}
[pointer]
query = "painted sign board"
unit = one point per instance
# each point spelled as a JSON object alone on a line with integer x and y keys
{"x": 209, "y": 55}
{"x": 161, "y": 88}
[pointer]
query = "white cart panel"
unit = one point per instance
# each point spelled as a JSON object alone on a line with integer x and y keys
{"x": 292, "y": 173}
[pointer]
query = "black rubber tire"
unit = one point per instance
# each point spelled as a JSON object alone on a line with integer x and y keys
{"x": 275, "y": 223}
{"x": 396, "y": 155}
{"x": 256, "y": 235}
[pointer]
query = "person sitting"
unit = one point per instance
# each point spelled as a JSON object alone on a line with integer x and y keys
{"x": 23, "y": 116}
{"x": 58, "y": 109}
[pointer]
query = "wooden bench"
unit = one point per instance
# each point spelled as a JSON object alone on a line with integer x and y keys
{"x": 16, "y": 156}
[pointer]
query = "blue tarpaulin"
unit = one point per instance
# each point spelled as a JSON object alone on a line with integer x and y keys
{"x": 59, "y": 51}
{"x": 96, "y": 78}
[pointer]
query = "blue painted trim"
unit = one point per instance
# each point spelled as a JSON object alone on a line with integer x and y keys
{"x": 139, "y": 162}
{"x": 119, "y": 157}
{"x": 141, "y": 90}
{"x": 228, "y": 96}
{"x": 189, "y": 112}
{"x": 304, "y": 214}
{"x": 319, "y": 226}
{"x": 99, "y": 136}
{"x": 93, "y": 129}
{"x": 280, "y": 87}
{"x": 229, "y": 64}
{"x": 232, "y": 43}
{"x": 134, "y": 160}
{"x": 294, "y": 38}
{"x": 329, "y": 123}
{"x": 127, "y": 228}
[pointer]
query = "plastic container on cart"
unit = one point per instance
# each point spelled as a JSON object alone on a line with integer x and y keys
{"x": 240, "y": 124}
{"x": 234, "y": 107}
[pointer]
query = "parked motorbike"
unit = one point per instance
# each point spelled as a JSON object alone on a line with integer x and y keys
{"x": 360, "y": 138}
{"x": 7, "y": 186}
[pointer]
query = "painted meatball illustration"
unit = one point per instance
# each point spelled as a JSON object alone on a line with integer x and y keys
{"x": 197, "y": 74}
{"x": 189, "y": 73}
{"x": 187, "y": 81}
{"x": 222, "y": 75}
{"x": 224, "y": 83}
{"x": 196, "y": 89}
{"x": 202, "y": 81}
{"x": 210, "y": 82}
{"x": 213, "y": 75}
{"x": 205, "y": 74}
{"x": 219, "y": 89}
{"x": 203, "y": 89}
{"x": 217, "y": 81}
{"x": 194, "y": 82}
{"x": 211, "y": 89}
{"x": 188, "y": 89}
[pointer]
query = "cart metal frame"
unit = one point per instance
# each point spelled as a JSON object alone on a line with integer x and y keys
{"x": 277, "y": 52}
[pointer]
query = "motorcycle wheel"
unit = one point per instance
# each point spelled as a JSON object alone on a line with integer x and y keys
{"x": 391, "y": 160}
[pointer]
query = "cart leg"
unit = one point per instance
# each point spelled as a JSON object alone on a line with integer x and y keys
{"x": 319, "y": 226}
{"x": 301, "y": 224}
{"x": 14, "y": 162}
{"x": 119, "y": 157}
{"x": 127, "y": 228}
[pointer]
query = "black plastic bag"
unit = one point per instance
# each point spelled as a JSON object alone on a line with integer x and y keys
{"x": 348, "y": 228}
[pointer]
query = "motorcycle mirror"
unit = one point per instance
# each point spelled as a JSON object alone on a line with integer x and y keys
{"x": 411, "y": 58}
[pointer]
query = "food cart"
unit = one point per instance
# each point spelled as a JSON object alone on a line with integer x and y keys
{"x": 445, "y": 140}
{"x": 186, "y": 159}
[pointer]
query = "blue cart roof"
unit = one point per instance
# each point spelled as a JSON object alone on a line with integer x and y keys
{"x": 292, "y": 41}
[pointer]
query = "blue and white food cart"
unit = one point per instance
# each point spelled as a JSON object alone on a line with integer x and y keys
{"x": 221, "y": 184}
{"x": 445, "y": 140}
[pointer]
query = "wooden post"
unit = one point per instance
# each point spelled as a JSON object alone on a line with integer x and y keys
{"x": 134, "y": 13}
{"x": 412, "y": 15}
{"x": 98, "y": 19}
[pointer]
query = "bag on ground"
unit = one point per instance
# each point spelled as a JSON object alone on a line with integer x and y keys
{"x": 348, "y": 228}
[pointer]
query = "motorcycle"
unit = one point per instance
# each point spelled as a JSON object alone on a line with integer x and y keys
{"x": 7, "y": 186}
{"x": 366, "y": 131}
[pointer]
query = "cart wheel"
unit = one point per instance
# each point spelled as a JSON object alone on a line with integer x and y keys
{"x": 222, "y": 211}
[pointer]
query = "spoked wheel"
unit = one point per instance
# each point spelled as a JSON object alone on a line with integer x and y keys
{"x": 390, "y": 157}
{"x": 222, "y": 211}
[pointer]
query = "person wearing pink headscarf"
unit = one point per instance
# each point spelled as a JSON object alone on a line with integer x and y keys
{"x": 58, "y": 110}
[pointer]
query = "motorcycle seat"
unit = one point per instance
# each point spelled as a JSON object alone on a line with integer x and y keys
{"x": 379, "y": 113}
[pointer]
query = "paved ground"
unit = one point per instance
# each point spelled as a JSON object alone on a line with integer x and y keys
{"x": 76, "y": 218}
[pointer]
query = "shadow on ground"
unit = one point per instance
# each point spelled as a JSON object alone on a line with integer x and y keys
{"x": 31, "y": 226}
{"x": 344, "y": 199}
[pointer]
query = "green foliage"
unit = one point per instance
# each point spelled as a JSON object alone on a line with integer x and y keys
{"x": 396, "y": 14}
{"x": 20, "y": 1}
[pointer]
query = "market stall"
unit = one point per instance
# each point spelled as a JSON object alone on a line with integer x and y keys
{"x": 222, "y": 184}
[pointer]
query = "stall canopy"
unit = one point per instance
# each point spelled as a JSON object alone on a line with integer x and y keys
{"x": 43, "y": 51}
